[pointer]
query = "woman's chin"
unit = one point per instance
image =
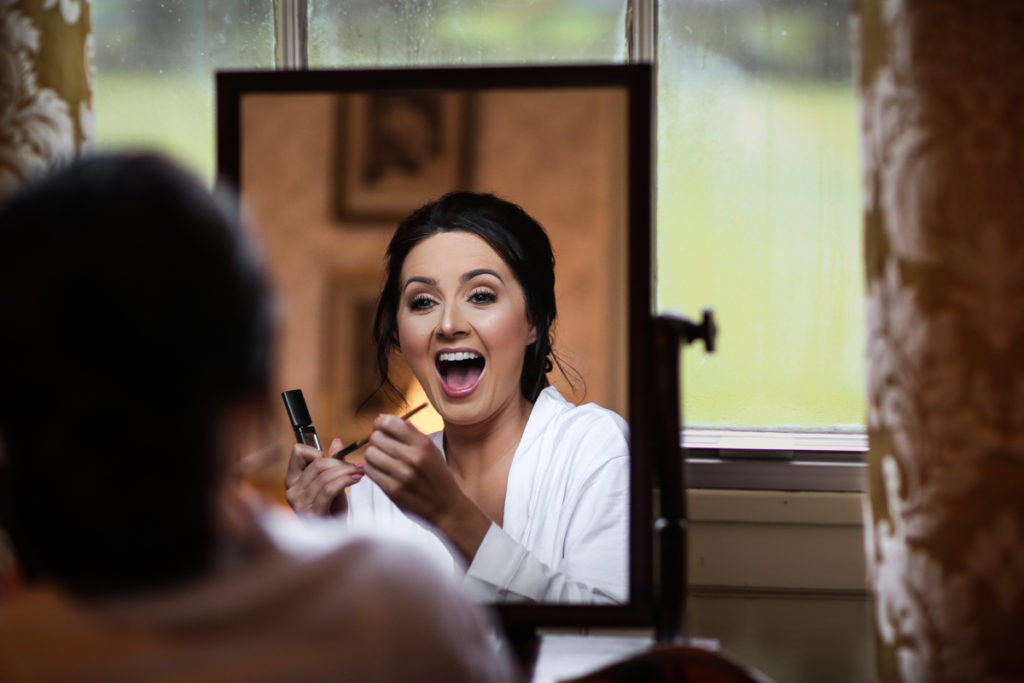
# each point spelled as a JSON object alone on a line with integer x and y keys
{"x": 460, "y": 410}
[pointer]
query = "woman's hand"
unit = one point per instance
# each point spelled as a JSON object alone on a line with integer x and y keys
{"x": 315, "y": 483}
{"x": 410, "y": 469}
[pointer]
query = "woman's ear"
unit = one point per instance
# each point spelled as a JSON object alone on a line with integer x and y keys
{"x": 241, "y": 430}
{"x": 244, "y": 446}
{"x": 531, "y": 335}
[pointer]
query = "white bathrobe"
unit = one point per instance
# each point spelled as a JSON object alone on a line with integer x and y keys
{"x": 565, "y": 533}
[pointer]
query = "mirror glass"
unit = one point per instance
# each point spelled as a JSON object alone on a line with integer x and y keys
{"x": 328, "y": 166}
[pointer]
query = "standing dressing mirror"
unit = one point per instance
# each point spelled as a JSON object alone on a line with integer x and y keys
{"x": 328, "y": 162}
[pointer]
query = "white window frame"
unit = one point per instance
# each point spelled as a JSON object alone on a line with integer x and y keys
{"x": 715, "y": 458}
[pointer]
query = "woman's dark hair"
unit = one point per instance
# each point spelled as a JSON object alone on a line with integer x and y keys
{"x": 517, "y": 238}
{"x": 134, "y": 315}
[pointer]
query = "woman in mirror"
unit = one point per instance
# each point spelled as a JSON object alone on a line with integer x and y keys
{"x": 528, "y": 493}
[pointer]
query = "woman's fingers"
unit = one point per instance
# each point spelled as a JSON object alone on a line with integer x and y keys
{"x": 402, "y": 461}
{"x": 318, "y": 486}
{"x": 321, "y": 496}
{"x": 330, "y": 498}
{"x": 399, "y": 439}
{"x": 335, "y": 446}
{"x": 302, "y": 455}
{"x": 409, "y": 468}
{"x": 382, "y": 477}
{"x": 381, "y": 462}
{"x": 299, "y": 459}
{"x": 408, "y": 489}
{"x": 398, "y": 429}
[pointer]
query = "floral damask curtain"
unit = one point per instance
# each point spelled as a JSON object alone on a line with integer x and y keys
{"x": 942, "y": 113}
{"x": 46, "y": 75}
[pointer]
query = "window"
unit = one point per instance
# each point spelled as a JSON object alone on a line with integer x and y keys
{"x": 155, "y": 61}
{"x": 371, "y": 33}
{"x": 758, "y": 169}
{"x": 154, "y": 70}
{"x": 759, "y": 210}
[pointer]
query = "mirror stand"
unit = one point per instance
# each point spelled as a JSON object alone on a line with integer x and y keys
{"x": 669, "y": 334}
{"x": 524, "y": 648}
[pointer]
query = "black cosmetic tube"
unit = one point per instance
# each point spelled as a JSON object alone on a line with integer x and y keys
{"x": 302, "y": 423}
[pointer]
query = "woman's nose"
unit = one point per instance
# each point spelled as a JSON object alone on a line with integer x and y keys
{"x": 453, "y": 322}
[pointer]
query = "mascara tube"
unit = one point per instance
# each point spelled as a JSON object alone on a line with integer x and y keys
{"x": 302, "y": 423}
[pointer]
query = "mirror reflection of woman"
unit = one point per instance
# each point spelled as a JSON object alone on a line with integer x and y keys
{"x": 526, "y": 491}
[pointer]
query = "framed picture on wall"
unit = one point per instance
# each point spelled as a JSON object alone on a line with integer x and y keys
{"x": 351, "y": 357}
{"x": 398, "y": 150}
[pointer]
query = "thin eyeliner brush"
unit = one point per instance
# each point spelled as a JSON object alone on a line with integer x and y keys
{"x": 356, "y": 445}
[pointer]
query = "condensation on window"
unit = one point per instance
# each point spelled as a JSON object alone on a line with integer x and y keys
{"x": 464, "y": 32}
{"x": 758, "y": 168}
{"x": 155, "y": 64}
{"x": 759, "y": 210}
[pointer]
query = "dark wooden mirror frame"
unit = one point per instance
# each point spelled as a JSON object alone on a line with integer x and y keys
{"x": 636, "y": 81}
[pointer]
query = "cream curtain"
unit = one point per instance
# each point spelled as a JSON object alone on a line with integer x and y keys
{"x": 942, "y": 114}
{"x": 46, "y": 74}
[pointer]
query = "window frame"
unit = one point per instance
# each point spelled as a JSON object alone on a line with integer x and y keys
{"x": 752, "y": 459}
{"x": 775, "y": 461}
{"x": 738, "y": 459}
{"x": 745, "y": 459}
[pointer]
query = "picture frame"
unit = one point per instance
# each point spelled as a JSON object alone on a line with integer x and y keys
{"x": 399, "y": 150}
{"x": 350, "y": 355}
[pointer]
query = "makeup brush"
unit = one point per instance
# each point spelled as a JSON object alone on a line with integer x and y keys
{"x": 356, "y": 445}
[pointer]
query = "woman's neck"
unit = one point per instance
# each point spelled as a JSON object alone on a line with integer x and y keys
{"x": 472, "y": 451}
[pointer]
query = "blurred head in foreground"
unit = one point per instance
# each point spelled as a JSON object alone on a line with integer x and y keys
{"x": 136, "y": 325}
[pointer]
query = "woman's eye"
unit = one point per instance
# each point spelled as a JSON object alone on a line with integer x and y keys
{"x": 420, "y": 303}
{"x": 482, "y": 296}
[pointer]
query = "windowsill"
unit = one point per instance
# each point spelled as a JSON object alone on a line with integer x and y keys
{"x": 775, "y": 461}
{"x": 775, "y": 475}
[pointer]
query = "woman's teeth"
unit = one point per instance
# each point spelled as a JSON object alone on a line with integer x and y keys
{"x": 458, "y": 355}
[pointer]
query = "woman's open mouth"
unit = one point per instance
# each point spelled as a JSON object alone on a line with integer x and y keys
{"x": 459, "y": 370}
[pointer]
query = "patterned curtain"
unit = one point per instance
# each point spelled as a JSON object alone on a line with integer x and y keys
{"x": 46, "y": 75}
{"x": 942, "y": 114}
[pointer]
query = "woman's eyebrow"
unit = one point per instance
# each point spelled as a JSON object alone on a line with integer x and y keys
{"x": 425, "y": 280}
{"x": 481, "y": 271}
